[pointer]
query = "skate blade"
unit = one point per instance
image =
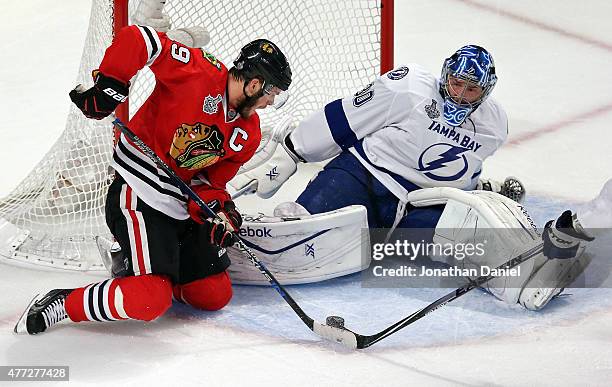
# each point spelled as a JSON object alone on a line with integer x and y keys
{"x": 104, "y": 246}
{"x": 21, "y": 326}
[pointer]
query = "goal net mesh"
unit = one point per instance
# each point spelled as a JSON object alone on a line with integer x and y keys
{"x": 333, "y": 48}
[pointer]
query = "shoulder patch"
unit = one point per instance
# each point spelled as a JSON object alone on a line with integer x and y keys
{"x": 212, "y": 59}
{"x": 398, "y": 73}
{"x": 363, "y": 96}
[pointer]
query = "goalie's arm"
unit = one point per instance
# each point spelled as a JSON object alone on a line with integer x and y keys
{"x": 271, "y": 166}
{"x": 320, "y": 136}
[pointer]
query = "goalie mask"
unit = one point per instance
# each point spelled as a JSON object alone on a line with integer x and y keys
{"x": 262, "y": 59}
{"x": 472, "y": 67}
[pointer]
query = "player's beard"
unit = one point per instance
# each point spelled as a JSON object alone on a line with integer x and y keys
{"x": 245, "y": 108}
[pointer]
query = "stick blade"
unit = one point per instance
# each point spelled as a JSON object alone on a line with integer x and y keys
{"x": 339, "y": 335}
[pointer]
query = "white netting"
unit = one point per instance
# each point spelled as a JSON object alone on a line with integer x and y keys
{"x": 333, "y": 48}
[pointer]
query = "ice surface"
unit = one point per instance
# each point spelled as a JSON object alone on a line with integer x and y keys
{"x": 559, "y": 109}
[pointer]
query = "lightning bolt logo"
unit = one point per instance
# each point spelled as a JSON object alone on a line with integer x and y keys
{"x": 443, "y": 156}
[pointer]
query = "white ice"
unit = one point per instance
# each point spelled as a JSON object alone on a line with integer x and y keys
{"x": 553, "y": 61}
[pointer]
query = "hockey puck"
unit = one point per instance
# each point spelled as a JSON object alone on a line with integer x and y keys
{"x": 334, "y": 321}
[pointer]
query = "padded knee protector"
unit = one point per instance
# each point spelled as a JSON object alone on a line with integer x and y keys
{"x": 210, "y": 293}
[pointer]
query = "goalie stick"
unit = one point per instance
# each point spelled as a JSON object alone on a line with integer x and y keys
{"x": 334, "y": 329}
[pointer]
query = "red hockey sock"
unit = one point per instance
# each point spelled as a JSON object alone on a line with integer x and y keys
{"x": 144, "y": 297}
{"x": 210, "y": 293}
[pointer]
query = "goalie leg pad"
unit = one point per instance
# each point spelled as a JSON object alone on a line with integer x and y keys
{"x": 565, "y": 241}
{"x": 303, "y": 248}
{"x": 479, "y": 216}
{"x": 550, "y": 279}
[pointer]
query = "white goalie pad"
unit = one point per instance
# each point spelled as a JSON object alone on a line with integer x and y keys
{"x": 502, "y": 226}
{"x": 302, "y": 249}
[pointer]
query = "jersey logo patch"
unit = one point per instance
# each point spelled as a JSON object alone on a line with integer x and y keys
{"x": 431, "y": 110}
{"x": 197, "y": 146}
{"x": 363, "y": 96}
{"x": 212, "y": 59}
{"x": 398, "y": 73}
{"x": 211, "y": 104}
{"x": 267, "y": 47}
{"x": 443, "y": 162}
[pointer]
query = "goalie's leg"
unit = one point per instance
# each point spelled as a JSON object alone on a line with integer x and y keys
{"x": 563, "y": 260}
{"x": 344, "y": 182}
{"x": 509, "y": 230}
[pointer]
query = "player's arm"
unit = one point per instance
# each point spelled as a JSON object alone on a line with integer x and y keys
{"x": 133, "y": 48}
{"x": 212, "y": 190}
{"x": 343, "y": 122}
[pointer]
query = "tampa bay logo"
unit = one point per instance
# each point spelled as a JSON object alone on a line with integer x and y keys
{"x": 197, "y": 146}
{"x": 443, "y": 162}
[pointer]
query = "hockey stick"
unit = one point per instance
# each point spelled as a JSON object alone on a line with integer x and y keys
{"x": 333, "y": 333}
{"x": 334, "y": 329}
{"x": 364, "y": 341}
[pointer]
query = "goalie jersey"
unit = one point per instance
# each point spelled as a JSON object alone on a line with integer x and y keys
{"x": 186, "y": 120}
{"x": 395, "y": 128}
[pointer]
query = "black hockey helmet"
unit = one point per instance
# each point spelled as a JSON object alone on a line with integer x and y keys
{"x": 262, "y": 58}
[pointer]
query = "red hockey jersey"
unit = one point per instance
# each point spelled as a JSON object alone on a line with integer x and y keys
{"x": 186, "y": 121}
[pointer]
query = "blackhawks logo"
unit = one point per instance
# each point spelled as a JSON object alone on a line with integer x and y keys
{"x": 212, "y": 59}
{"x": 197, "y": 146}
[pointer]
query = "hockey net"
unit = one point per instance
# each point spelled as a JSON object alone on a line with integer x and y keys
{"x": 334, "y": 47}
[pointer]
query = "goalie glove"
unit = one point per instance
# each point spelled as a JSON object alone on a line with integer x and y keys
{"x": 101, "y": 100}
{"x": 511, "y": 188}
{"x": 151, "y": 13}
{"x": 271, "y": 166}
{"x": 565, "y": 238}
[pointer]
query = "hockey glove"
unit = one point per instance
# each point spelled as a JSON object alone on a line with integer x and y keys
{"x": 565, "y": 237}
{"x": 101, "y": 100}
{"x": 221, "y": 230}
{"x": 511, "y": 188}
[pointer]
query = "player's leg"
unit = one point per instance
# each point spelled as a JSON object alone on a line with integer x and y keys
{"x": 149, "y": 241}
{"x": 344, "y": 182}
{"x": 504, "y": 229}
{"x": 204, "y": 282}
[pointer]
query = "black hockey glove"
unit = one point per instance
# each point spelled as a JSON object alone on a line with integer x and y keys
{"x": 101, "y": 100}
{"x": 564, "y": 237}
{"x": 221, "y": 230}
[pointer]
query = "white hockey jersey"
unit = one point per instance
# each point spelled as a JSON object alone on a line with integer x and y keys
{"x": 395, "y": 127}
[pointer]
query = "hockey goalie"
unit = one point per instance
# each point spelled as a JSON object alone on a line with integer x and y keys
{"x": 407, "y": 151}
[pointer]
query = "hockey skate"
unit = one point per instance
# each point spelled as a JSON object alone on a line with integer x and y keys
{"x": 562, "y": 262}
{"x": 42, "y": 312}
{"x": 117, "y": 264}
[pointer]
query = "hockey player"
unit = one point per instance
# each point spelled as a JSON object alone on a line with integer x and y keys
{"x": 201, "y": 120}
{"x": 406, "y": 130}
{"x": 406, "y": 147}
